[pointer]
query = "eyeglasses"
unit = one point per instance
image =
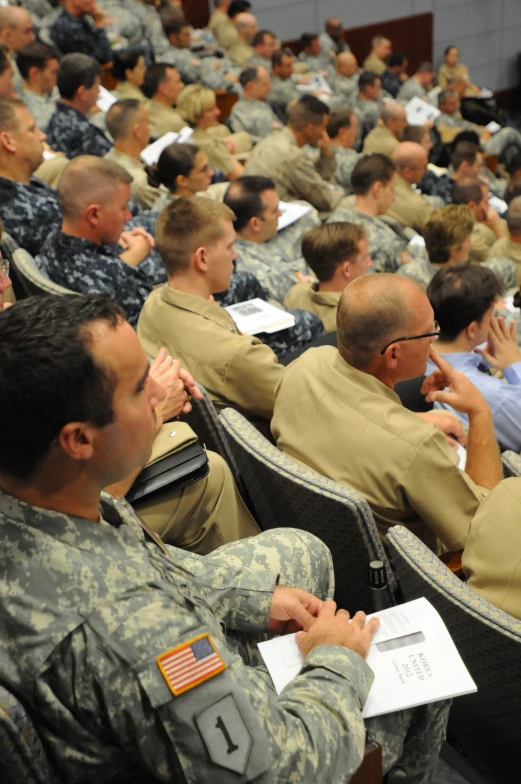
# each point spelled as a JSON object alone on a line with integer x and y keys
{"x": 4, "y": 268}
{"x": 434, "y": 334}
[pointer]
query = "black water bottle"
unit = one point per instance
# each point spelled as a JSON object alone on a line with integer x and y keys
{"x": 378, "y": 585}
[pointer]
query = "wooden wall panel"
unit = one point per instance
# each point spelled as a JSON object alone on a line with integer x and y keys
{"x": 411, "y": 35}
{"x": 197, "y": 11}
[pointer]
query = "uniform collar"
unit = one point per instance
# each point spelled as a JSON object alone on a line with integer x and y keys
{"x": 198, "y": 305}
{"x": 329, "y": 298}
{"x": 365, "y": 380}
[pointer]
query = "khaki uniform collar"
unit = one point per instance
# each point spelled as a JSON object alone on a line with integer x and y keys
{"x": 328, "y": 298}
{"x": 198, "y": 305}
{"x": 365, "y": 380}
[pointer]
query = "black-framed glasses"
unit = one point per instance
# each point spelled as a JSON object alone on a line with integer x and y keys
{"x": 434, "y": 334}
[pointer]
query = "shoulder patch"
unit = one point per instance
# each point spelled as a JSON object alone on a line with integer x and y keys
{"x": 190, "y": 664}
{"x": 225, "y": 734}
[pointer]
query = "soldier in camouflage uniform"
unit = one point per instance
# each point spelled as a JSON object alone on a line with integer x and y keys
{"x": 81, "y": 32}
{"x": 418, "y": 85}
{"x": 253, "y": 113}
{"x": 283, "y": 88}
{"x": 84, "y": 256}
{"x": 39, "y": 93}
{"x": 342, "y": 129}
{"x": 345, "y": 81}
{"x": 69, "y": 130}
{"x": 106, "y": 605}
{"x": 315, "y": 57}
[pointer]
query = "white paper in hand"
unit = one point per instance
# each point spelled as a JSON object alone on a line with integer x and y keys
{"x": 105, "y": 99}
{"x": 291, "y": 213}
{"x": 420, "y": 112}
{"x": 151, "y": 154}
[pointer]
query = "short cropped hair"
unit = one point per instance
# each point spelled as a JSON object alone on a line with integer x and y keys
{"x": 445, "y": 95}
{"x": 308, "y": 110}
{"x": 238, "y": 7}
{"x": 174, "y": 25}
{"x": 47, "y": 366}
{"x": 185, "y": 225}
{"x": 425, "y": 67}
{"x": 175, "y": 160}
{"x": 396, "y": 58}
{"x": 325, "y": 247}
{"x": 5, "y": 60}
{"x": 367, "y": 79}
{"x": 464, "y": 152}
{"x": 460, "y": 294}
{"x": 370, "y": 169}
{"x": 513, "y": 191}
{"x": 34, "y": 55}
{"x": 76, "y": 70}
{"x": 125, "y": 60}
{"x": 514, "y": 216}
{"x": 467, "y": 190}
{"x": 193, "y": 101}
{"x": 248, "y": 74}
{"x": 306, "y": 39}
{"x": 154, "y": 76}
{"x": 8, "y": 118}
{"x": 243, "y": 197}
{"x": 259, "y": 37}
{"x": 414, "y": 133}
{"x": 88, "y": 177}
{"x": 448, "y": 227}
{"x": 276, "y": 57}
{"x": 121, "y": 117}
{"x": 338, "y": 119}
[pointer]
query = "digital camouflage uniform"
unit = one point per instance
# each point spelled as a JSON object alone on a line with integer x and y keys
{"x": 87, "y": 268}
{"x": 385, "y": 247}
{"x": 38, "y": 9}
{"x": 411, "y": 89}
{"x": 346, "y": 160}
{"x": 29, "y": 212}
{"x": 274, "y": 272}
{"x": 78, "y": 34}
{"x": 329, "y": 45}
{"x": 319, "y": 62}
{"x": 368, "y": 111}
{"x": 345, "y": 87}
{"x": 282, "y": 91}
{"x": 255, "y": 117}
{"x": 183, "y": 61}
{"x": 70, "y": 132}
{"x": 506, "y": 142}
{"x": 41, "y": 107}
{"x": 256, "y": 59}
{"x": 97, "y": 604}
{"x": 423, "y": 271}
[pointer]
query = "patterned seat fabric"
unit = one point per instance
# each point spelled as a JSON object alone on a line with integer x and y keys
{"x": 33, "y": 280}
{"x": 22, "y": 758}
{"x": 511, "y": 463}
{"x": 286, "y": 493}
{"x": 489, "y": 642}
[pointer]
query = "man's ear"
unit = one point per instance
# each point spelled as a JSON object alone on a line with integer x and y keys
{"x": 92, "y": 214}
{"x": 7, "y": 142}
{"x": 254, "y": 224}
{"x": 392, "y": 356}
{"x": 80, "y": 92}
{"x": 472, "y": 329}
{"x": 77, "y": 440}
{"x": 200, "y": 262}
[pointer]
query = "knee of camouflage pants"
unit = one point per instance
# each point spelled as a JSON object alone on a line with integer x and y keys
{"x": 504, "y": 268}
{"x": 300, "y": 559}
{"x": 308, "y": 327}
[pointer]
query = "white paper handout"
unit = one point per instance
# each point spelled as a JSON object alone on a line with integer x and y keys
{"x": 151, "y": 154}
{"x": 420, "y": 112}
{"x": 412, "y": 656}
{"x": 256, "y": 316}
{"x": 497, "y": 204}
{"x": 105, "y": 99}
{"x": 316, "y": 82}
{"x": 493, "y": 127}
{"x": 291, "y": 213}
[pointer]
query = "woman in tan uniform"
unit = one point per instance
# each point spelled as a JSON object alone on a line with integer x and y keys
{"x": 129, "y": 68}
{"x": 198, "y": 106}
{"x": 452, "y": 69}
{"x": 183, "y": 169}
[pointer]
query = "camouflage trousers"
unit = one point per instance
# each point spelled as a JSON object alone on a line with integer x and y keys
{"x": 410, "y": 739}
{"x": 244, "y": 286}
{"x": 506, "y": 143}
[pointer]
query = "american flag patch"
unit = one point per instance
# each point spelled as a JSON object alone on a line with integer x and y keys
{"x": 190, "y": 664}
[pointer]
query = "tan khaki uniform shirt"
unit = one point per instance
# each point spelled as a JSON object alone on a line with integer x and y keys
{"x": 223, "y": 29}
{"x": 512, "y": 250}
{"x": 460, "y": 71}
{"x": 483, "y": 238}
{"x": 375, "y": 64}
{"x": 163, "y": 119}
{"x": 409, "y": 207}
{"x": 240, "y": 53}
{"x": 296, "y": 176}
{"x": 323, "y": 303}
{"x": 125, "y": 90}
{"x": 349, "y": 426}
{"x": 140, "y": 190}
{"x": 237, "y": 370}
{"x": 218, "y": 153}
{"x": 380, "y": 139}
{"x": 492, "y": 556}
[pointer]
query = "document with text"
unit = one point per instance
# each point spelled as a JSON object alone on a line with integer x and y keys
{"x": 413, "y": 658}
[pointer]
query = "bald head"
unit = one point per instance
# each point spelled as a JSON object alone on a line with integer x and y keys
{"x": 246, "y": 25}
{"x": 89, "y": 180}
{"x": 392, "y": 110}
{"x": 410, "y": 159}
{"x": 16, "y": 29}
{"x": 346, "y": 64}
{"x": 374, "y": 310}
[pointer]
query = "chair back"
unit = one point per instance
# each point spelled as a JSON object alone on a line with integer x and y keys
{"x": 22, "y": 758}
{"x": 33, "y": 281}
{"x": 511, "y": 462}
{"x": 489, "y": 642}
{"x": 285, "y": 493}
{"x": 8, "y": 246}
